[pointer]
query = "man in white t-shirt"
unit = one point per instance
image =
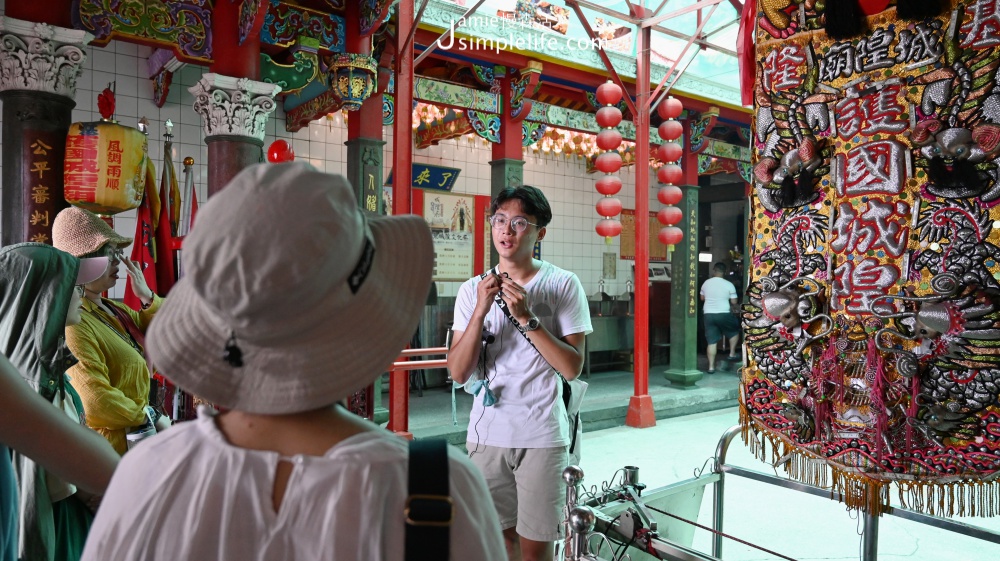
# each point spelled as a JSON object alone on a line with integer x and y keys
{"x": 719, "y": 296}
{"x": 518, "y": 429}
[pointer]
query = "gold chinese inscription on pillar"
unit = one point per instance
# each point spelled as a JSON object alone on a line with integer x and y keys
{"x": 42, "y": 181}
{"x": 692, "y": 239}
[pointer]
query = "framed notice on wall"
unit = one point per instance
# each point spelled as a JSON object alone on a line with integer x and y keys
{"x": 452, "y": 225}
{"x": 657, "y": 250}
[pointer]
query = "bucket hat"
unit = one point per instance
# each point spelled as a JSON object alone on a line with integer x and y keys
{"x": 79, "y": 232}
{"x": 284, "y": 270}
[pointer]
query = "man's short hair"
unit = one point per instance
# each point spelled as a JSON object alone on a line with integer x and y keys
{"x": 720, "y": 267}
{"x": 533, "y": 202}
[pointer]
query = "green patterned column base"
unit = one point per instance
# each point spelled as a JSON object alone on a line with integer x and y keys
{"x": 683, "y": 369}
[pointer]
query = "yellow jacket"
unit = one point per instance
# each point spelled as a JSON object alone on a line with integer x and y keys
{"x": 111, "y": 377}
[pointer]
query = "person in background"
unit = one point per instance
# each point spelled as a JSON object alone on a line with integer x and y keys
{"x": 112, "y": 376}
{"x": 519, "y": 432}
{"x": 39, "y": 298}
{"x": 719, "y": 312}
{"x": 291, "y": 301}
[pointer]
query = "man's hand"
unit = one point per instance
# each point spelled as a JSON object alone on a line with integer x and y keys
{"x": 486, "y": 290}
{"x": 516, "y": 298}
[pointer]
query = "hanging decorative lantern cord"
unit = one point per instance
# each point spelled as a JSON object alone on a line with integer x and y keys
{"x": 609, "y": 160}
{"x": 670, "y": 173}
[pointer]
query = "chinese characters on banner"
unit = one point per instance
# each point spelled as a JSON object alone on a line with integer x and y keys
{"x": 42, "y": 179}
{"x": 451, "y": 221}
{"x": 872, "y": 314}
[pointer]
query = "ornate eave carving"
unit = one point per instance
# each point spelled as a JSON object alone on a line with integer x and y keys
{"x": 39, "y": 57}
{"x": 234, "y": 106}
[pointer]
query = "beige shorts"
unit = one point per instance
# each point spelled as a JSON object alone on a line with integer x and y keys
{"x": 527, "y": 488}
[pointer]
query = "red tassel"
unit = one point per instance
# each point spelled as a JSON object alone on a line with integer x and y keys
{"x": 875, "y": 365}
{"x": 844, "y": 19}
{"x": 911, "y": 411}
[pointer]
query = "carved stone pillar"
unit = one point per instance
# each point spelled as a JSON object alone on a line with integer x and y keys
{"x": 39, "y": 65}
{"x": 234, "y": 113}
{"x": 684, "y": 288}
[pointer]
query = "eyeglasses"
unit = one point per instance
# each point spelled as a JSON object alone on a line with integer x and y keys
{"x": 519, "y": 224}
{"x": 114, "y": 253}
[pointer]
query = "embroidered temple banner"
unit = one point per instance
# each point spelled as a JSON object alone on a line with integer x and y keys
{"x": 872, "y": 321}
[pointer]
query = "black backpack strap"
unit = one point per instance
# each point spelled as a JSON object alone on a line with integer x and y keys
{"x": 429, "y": 509}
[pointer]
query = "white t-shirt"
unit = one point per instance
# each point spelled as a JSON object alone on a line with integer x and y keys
{"x": 717, "y": 292}
{"x": 529, "y": 412}
{"x": 189, "y": 494}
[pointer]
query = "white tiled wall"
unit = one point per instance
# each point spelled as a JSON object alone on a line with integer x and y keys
{"x": 571, "y": 242}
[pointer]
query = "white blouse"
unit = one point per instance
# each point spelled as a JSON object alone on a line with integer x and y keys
{"x": 188, "y": 494}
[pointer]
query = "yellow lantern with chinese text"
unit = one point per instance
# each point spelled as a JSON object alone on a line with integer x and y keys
{"x": 105, "y": 167}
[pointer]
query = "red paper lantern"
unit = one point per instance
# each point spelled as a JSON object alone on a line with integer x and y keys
{"x": 670, "y": 108}
{"x": 670, "y": 235}
{"x": 609, "y": 206}
{"x": 609, "y": 185}
{"x": 609, "y": 139}
{"x": 671, "y": 130}
{"x": 670, "y": 173}
{"x": 670, "y": 215}
{"x": 670, "y": 195}
{"x": 280, "y": 151}
{"x": 608, "y": 228}
{"x": 608, "y": 117}
{"x": 609, "y": 93}
{"x": 609, "y": 162}
{"x": 669, "y": 152}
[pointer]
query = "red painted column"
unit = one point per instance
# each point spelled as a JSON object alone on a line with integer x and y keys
{"x": 231, "y": 149}
{"x": 509, "y": 146}
{"x": 402, "y": 163}
{"x": 399, "y": 412}
{"x": 52, "y": 12}
{"x": 640, "y": 408}
{"x": 507, "y": 165}
{"x": 232, "y": 58}
{"x": 402, "y": 132}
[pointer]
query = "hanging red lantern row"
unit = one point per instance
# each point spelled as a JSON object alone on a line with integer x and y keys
{"x": 609, "y": 161}
{"x": 670, "y": 173}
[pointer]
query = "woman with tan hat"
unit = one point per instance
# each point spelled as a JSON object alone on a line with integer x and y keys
{"x": 291, "y": 301}
{"x": 111, "y": 376}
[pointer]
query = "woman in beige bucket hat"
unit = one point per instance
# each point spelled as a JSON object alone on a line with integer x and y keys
{"x": 112, "y": 376}
{"x": 291, "y": 301}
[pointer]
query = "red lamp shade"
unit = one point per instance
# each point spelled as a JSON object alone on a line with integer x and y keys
{"x": 609, "y": 162}
{"x": 670, "y": 195}
{"x": 609, "y": 139}
{"x": 608, "y": 228}
{"x": 280, "y": 151}
{"x": 609, "y": 185}
{"x": 670, "y": 235}
{"x": 670, "y": 173}
{"x": 670, "y": 215}
{"x": 609, "y": 207}
{"x": 609, "y": 93}
{"x": 670, "y": 108}
{"x": 671, "y": 130}
{"x": 608, "y": 117}
{"x": 669, "y": 152}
